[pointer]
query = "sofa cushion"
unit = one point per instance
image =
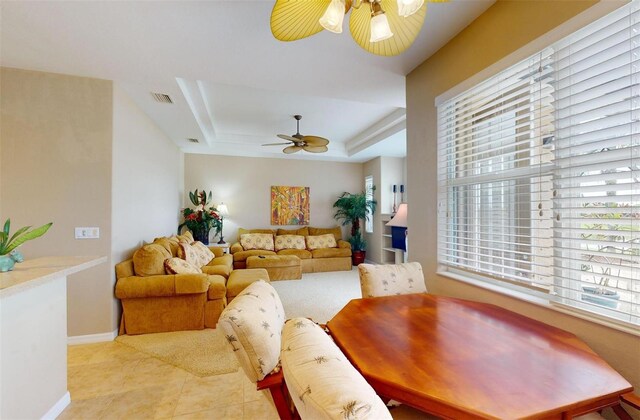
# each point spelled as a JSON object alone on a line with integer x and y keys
{"x": 177, "y": 265}
{"x": 289, "y": 242}
{"x": 243, "y": 255}
{"x": 303, "y": 254}
{"x": 149, "y": 260}
{"x": 220, "y": 270}
{"x": 301, "y": 231}
{"x": 161, "y": 286}
{"x": 331, "y": 252}
{"x": 217, "y": 287}
{"x": 321, "y": 381}
{"x": 321, "y": 241}
{"x": 242, "y": 231}
{"x": 250, "y": 241}
{"x": 204, "y": 253}
{"x": 337, "y": 231}
{"x": 252, "y": 324}
{"x": 391, "y": 279}
{"x": 187, "y": 236}
{"x": 172, "y": 247}
{"x": 241, "y": 279}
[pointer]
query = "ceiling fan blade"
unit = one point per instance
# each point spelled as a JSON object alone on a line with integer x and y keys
{"x": 316, "y": 149}
{"x": 275, "y": 144}
{"x": 289, "y": 138}
{"x": 292, "y": 149}
{"x": 315, "y": 141}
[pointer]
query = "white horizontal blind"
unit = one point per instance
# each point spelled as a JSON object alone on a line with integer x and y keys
{"x": 539, "y": 171}
{"x": 494, "y": 175}
{"x": 597, "y": 175}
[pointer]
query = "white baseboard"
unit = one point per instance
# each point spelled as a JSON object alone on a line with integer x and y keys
{"x": 92, "y": 338}
{"x": 58, "y": 407}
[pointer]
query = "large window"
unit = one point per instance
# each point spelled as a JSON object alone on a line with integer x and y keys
{"x": 539, "y": 173}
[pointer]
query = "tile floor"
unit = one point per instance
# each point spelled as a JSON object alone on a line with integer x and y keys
{"x": 113, "y": 381}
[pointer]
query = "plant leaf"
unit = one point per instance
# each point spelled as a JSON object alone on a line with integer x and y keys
{"x": 7, "y": 226}
{"x": 35, "y": 233}
{"x": 18, "y": 232}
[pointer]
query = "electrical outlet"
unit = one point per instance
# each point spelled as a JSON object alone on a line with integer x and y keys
{"x": 87, "y": 232}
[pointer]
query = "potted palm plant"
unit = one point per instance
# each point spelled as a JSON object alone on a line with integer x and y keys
{"x": 351, "y": 208}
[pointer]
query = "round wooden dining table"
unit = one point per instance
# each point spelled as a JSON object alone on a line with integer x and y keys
{"x": 461, "y": 359}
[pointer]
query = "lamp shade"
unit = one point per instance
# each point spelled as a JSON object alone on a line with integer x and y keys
{"x": 400, "y": 218}
{"x": 380, "y": 29}
{"x": 222, "y": 209}
{"x": 408, "y": 7}
{"x": 333, "y": 17}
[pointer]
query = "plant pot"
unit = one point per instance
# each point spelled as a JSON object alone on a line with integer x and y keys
{"x": 6, "y": 263}
{"x": 201, "y": 234}
{"x": 357, "y": 257}
{"x": 599, "y": 296}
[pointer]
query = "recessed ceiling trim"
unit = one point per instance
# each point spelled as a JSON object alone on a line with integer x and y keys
{"x": 193, "y": 96}
{"x": 388, "y": 126}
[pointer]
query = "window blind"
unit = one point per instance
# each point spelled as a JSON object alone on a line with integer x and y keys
{"x": 538, "y": 172}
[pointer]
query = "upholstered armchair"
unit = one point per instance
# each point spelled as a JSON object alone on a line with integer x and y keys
{"x": 391, "y": 279}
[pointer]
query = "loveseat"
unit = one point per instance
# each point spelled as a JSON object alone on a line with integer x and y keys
{"x": 307, "y": 243}
{"x": 154, "y": 301}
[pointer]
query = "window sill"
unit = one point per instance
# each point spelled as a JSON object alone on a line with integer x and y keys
{"x": 544, "y": 303}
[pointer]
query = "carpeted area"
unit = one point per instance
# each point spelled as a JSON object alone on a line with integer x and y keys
{"x": 318, "y": 296}
{"x": 203, "y": 352}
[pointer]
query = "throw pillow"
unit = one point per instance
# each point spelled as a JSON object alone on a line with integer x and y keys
{"x": 257, "y": 241}
{"x": 204, "y": 253}
{"x": 177, "y": 265}
{"x": 289, "y": 242}
{"x": 187, "y": 253}
{"x": 149, "y": 260}
{"x": 168, "y": 244}
{"x": 252, "y": 325}
{"x": 321, "y": 241}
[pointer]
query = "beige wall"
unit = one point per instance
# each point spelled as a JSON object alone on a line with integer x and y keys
{"x": 56, "y": 133}
{"x": 502, "y": 29}
{"x": 244, "y": 184}
{"x": 147, "y": 176}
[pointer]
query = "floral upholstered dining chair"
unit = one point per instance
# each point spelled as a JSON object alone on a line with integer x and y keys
{"x": 391, "y": 279}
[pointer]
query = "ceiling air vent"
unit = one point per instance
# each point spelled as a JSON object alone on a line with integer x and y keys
{"x": 192, "y": 140}
{"x": 162, "y": 97}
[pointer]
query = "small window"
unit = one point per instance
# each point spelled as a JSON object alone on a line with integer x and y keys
{"x": 368, "y": 188}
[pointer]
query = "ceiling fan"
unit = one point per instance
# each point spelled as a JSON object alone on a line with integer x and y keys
{"x": 312, "y": 144}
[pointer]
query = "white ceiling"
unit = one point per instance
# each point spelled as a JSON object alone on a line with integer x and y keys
{"x": 234, "y": 86}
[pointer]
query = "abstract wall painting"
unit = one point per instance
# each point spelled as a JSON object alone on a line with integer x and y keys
{"x": 289, "y": 205}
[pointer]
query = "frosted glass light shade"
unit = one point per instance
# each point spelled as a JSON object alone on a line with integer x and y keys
{"x": 408, "y": 7}
{"x": 380, "y": 29}
{"x": 222, "y": 209}
{"x": 333, "y": 16}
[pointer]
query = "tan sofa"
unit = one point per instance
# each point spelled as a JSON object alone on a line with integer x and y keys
{"x": 153, "y": 301}
{"x": 317, "y": 260}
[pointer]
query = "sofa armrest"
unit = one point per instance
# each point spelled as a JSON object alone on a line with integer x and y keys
{"x": 217, "y": 251}
{"x": 224, "y": 260}
{"x": 161, "y": 286}
{"x": 236, "y": 247}
{"x": 344, "y": 244}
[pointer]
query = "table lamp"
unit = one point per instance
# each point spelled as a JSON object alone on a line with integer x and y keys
{"x": 222, "y": 211}
{"x": 399, "y": 227}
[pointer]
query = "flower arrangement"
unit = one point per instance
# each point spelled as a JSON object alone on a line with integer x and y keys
{"x": 201, "y": 219}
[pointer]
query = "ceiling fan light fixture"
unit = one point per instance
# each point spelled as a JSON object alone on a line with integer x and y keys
{"x": 334, "y": 16}
{"x": 380, "y": 29}
{"x": 408, "y": 7}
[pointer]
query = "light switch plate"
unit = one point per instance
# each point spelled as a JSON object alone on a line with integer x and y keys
{"x": 87, "y": 232}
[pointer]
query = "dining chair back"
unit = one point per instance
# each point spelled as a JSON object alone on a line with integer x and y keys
{"x": 391, "y": 279}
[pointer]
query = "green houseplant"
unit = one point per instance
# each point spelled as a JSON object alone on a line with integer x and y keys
{"x": 200, "y": 220}
{"x": 9, "y": 253}
{"x": 350, "y": 209}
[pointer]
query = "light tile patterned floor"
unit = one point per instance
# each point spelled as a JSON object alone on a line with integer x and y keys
{"x": 113, "y": 381}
